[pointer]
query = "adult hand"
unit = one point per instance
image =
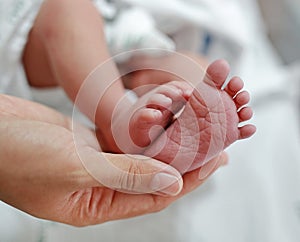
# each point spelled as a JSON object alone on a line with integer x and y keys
{"x": 42, "y": 174}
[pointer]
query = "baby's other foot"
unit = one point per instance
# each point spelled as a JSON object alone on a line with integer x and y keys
{"x": 149, "y": 116}
{"x": 209, "y": 123}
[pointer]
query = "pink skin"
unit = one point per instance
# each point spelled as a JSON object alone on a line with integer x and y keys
{"x": 209, "y": 123}
{"x": 148, "y": 117}
{"x": 163, "y": 102}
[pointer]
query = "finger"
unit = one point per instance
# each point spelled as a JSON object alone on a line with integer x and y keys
{"x": 109, "y": 208}
{"x": 24, "y": 109}
{"x": 130, "y": 173}
{"x": 146, "y": 203}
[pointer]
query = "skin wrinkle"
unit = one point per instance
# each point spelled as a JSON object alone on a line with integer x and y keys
{"x": 211, "y": 108}
{"x": 8, "y": 109}
{"x": 172, "y": 137}
{"x": 212, "y": 119}
{"x": 89, "y": 214}
{"x": 91, "y": 202}
{"x": 109, "y": 207}
{"x": 7, "y": 114}
{"x": 198, "y": 106}
{"x": 220, "y": 118}
{"x": 102, "y": 205}
{"x": 88, "y": 210}
{"x": 190, "y": 134}
{"x": 7, "y": 105}
{"x": 129, "y": 178}
{"x": 99, "y": 205}
{"x": 81, "y": 210}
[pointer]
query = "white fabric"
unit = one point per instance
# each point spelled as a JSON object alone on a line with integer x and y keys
{"x": 125, "y": 33}
{"x": 16, "y": 19}
{"x": 286, "y": 29}
{"x": 189, "y": 23}
{"x": 255, "y": 198}
{"x": 16, "y": 226}
{"x": 174, "y": 24}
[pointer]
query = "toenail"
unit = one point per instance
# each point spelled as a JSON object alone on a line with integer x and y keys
{"x": 168, "y": 100}
{"x": 156, "y": 114}
{"x": 188, "y": 92}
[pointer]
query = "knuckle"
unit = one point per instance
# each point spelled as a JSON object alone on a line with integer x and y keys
{"x": 131, "y": 179}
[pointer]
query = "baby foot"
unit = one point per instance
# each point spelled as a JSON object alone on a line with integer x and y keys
{"x": 136, "y": 128}
{"x": 209, "y": 123}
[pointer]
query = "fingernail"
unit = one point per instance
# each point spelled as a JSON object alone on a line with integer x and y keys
{"x": 166, "y": 183}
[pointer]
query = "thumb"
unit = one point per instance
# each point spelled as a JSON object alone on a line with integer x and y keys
{"x": 131, "y": 173}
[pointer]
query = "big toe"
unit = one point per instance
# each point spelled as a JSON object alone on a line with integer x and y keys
{"x": 217, "y": 73}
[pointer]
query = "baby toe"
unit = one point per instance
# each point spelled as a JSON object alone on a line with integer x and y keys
{"x": 245, "y": 114}
{"x": 234, "y": 86}
{"x": 216, "y": 73}
{"x": 246, "y": 131}
{"x": 242, "y": 99}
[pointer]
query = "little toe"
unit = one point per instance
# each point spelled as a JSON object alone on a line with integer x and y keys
{"x": 247, "y": 131}
{"x": 245, "y": 114}
{"x": 242, "y": 99}
{"x": 234, "y": 86}
{"x": 217, "y": 73}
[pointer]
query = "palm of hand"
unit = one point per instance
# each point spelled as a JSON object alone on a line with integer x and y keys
{"x": 44, "y": 176}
